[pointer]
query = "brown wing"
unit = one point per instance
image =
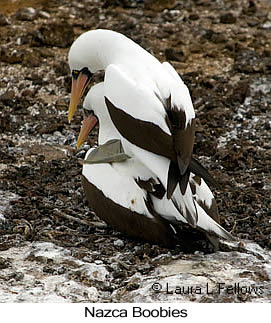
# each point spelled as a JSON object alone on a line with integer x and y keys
{"x": 143, "y": 134}
{"x": 183, "y": 137}
{"x": 177, "y": 147}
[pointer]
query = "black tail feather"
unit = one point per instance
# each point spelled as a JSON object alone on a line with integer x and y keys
{"x": 172, "y": 178}
{"x": 196, "y": 168}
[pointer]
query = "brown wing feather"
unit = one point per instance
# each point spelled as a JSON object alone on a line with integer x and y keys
{"x": 147, "y": 136}
{"x": 173, "y": 178}
{"x": 183, "y": 135}
{"x": 153, "y": 188}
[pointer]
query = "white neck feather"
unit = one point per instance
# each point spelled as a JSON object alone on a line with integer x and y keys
{"x": 95, "y": 101}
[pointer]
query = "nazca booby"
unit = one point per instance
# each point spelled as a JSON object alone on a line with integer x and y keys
{"x": 149, "y": 105}
{"x": 123, "y": 194}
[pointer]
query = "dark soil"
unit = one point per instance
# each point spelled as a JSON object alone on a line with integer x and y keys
{"x": 222, "y": 49}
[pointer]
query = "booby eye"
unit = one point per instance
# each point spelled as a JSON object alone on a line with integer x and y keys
{"x": 75, "y": 74}
{"x": 88, "y": 112}
{"x": 87, "y": 72}
{"x": 84, "y": 70}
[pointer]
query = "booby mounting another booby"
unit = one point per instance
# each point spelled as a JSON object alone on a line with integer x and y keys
{"x": 154, "y": 118}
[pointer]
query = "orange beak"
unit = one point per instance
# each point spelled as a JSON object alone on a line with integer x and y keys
{"x": 88, "y": 124}
{"x": 78, "y": 88}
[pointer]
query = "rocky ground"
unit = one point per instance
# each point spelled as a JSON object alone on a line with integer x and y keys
{"x": 222, "y": 51}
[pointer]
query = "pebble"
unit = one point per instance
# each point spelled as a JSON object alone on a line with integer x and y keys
{"x": 8, "y": 55}
{"x": 267, "y": 25}
{"x": 8, "y": 95}
{"x": 196, "y": 48}
{"x": 31, "y": 58}
{"x": 44, "y": 14}
{"x": 18, "y": 276}
{"x": 119, "y": 243}
{"x": 267, "y": 125}
{"x": 172, "y": 55}
{"x": 4, "y": 20}
{"x": 194, "y": 16}
{"x": 26, "y": 14}
{"x": 61, "y": 270}
{"x": 159, "y": 5}
{"x": 4, "y": 263}
{"x": 227, "y": 18}
{"x": 98, "y": 262}
{"x": 28, "y": 92}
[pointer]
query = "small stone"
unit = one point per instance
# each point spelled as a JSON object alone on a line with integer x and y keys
{"x": 196, "y": 48}
{"x": 44, "y": 14}
{"x": 19, "y": 276}
{"x": 28, "y": 14}
{"x": 159, "y": 5}
{"x": 34, "y": 76}
{"x": 214, "y": 37}
{"x": 4, "y": 263}
{"x": 267, "y": 125}
{"x": 230, "y": 45}
{"x": 61, "y": 270}
{"x": 28, "y": 93}
{"x": 11, "y": 56}
{"x": 46, "y": 52}
{"x": 251, "y": 9}
{"x": 172, "y": 55}
{"x": 98, "y": 262}
{"x": 31, "y": 58}
{"x": 227, "y": 18}
{"x": 8, "y": 95}
{"x": 48, "y": 270}
{"x": 4, "y": 20}
{"x": 218, "y": 38}
{"x": 194, "y": 16}
{"x": 257, "y": 185}
{"x": 62, "y": 68}
{"x": 253, "y": 22}
{"x": 267, "y": 25}
{"x": 119, "y": 243}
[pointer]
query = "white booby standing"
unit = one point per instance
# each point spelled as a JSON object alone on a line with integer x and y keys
{"x": 124, "y": 195}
